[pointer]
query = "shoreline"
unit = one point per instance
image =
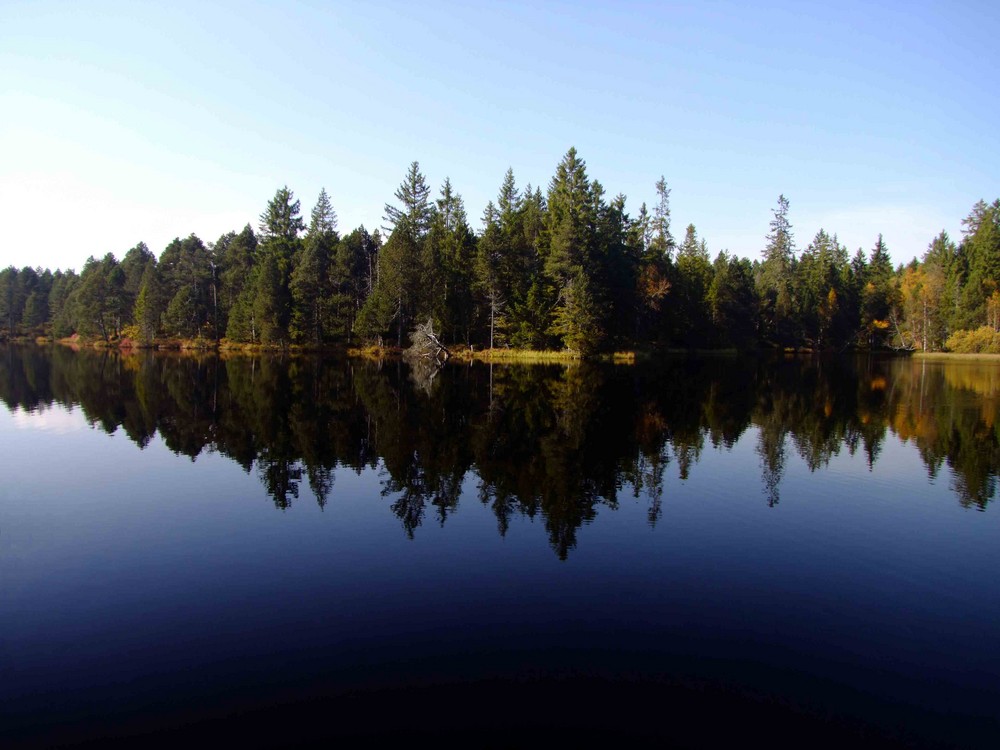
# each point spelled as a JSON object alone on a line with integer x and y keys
{"x": 956, "y": 357}
{"x": 460, "y": 353}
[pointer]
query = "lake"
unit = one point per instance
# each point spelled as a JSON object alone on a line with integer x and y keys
{"x": 272, "y": 551}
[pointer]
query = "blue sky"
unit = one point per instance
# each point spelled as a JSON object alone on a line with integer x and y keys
{"x": 137, "y": 121}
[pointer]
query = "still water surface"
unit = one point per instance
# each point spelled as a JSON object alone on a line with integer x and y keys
{"x": 276, "y": 550}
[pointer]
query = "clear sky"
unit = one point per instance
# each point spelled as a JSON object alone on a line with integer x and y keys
{"x": 129, "y": 121}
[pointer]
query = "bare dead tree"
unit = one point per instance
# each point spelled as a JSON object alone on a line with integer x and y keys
{"x": 426, "y": 345}
{"x": 426, "y": 355}
{"x": 901, "y": 337}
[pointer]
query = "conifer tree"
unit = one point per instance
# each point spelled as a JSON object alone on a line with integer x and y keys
{"x": 488, "y": 269}
{"x": 148, "y": 304}
{"x": 446, "y": 267}
{"x": 187, "y": 274}
{"x": 693, "y": 279}
{"x": 980, "y": 252}
{"x": 238, "y": 253}
{"x": 661, "y": 240}
{"x": 732, "y": 302}
{"x": 310, "y": 284}
{"x": 60, "y": 306}
{"x": 577, "y": 310}
{"x": 397, "y": 289}
{"x": 877, "y": 296}
{"x": 280, "y": 225}
{"x": 96, "y": 302}
{"x": 654, "y": 277}
{"x": 821, "y": 292}
{"x": 620, "y": 254}
{"x": 134, "y": 266}
{"x": 269, "y": 304}
{"x": 774, "y": 278}
{"x": 352, "y": 279}
{"x": 10, "y": 300}
{"x": 522, "y": 226}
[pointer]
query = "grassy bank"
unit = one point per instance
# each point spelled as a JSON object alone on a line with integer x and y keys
{"x": 504, "y": 356}
{"x": 127, "y": 345}
{"x": 525, "y": 356}
{"x": 956, "y": 357}
{"x": 458, "y": 353}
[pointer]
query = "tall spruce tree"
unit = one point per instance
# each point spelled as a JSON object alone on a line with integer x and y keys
{"x": 774, "y": 278}
{"x": 577, "y": 309}
{"x": 96, "y": 301}
{"x": 352, "y": 279}
{"x": 280, "y": 225}
{"x": 661, "y": 239}
{"x": 620, "y": 252}
{"x": 446, "y": 267}
{"x": 693, "y": 279}
{"x": 11, "y": 302}
{"x": 821, "y": 284}
{"x": 148, "y": 304}
{"x": 732, "y": 302}
{"x": 310, "y": 283}
{"x": 980, "y": 253}
{"x": 188, "y": 278}
{"x": 238, "y": 253}
{"x": 877, "y": 297}
{"x": 392, "y": 303}
{"x": 522, "y": 226}
{"x": 488, "y": 270}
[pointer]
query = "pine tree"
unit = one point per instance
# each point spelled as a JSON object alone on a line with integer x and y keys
{"x": 310, "y": 284}
{"x": 281, "y": 220}
{"x": 620, "y": 254}
{"x": 980, "y": 251}
{"x": 577, "y": 310}
{"x": 774, "y": 279}
{"x": 655, "y": 276}
{"x": 939, "y": 264}
{"x": 280, "y": 225}
{"x": 661, "y": 240}
{"x": 877, "y": 296}
{"x": 38, "y": 285}
{"x": 134, "y": 266}
{"x": 488, "y": 272}
{"x": 148, "y": 304}
{"x": 236, "y": 255}
{"x": 60, "y": 302}
{"x": 269, "y": 301}
{"x": 521, "y": 220}
{"x": 693, "y": 278}
{"x": 413, "y": 216}
{"x": 11, "y": 303}
{"x": 821, "y": 289}
{"x": 352, "y": 279}
{"x": 398, "y": 284}
{"x": 445, "y": 268}
{"x": 188, "y": 285}
{"x": 732, "y": 301}
{"x": 96, "y": 301}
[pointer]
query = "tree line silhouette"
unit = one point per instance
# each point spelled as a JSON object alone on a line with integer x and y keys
{"x": 568, "y": 268}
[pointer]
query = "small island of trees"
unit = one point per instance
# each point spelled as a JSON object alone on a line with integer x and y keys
{"x": 568, "y": 269}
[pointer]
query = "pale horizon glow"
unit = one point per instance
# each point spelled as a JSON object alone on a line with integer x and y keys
{"x": 128, "y": 122}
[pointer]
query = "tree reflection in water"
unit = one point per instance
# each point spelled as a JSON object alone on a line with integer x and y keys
{"x": 542, "y": 441}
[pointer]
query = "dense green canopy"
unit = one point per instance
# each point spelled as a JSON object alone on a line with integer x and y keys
{"x": 565, "y": 269}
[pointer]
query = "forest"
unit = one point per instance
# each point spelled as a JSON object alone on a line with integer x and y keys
{"x": 564, "y": 269}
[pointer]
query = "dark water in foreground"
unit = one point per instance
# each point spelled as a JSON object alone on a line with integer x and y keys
{"x": 270, "y": 552}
